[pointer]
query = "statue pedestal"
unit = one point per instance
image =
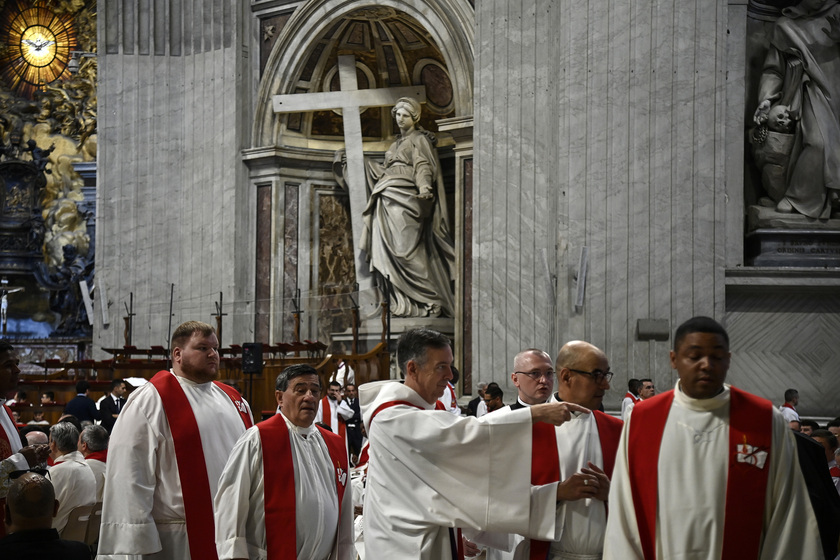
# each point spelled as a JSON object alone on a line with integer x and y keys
{"x": 775, "y": 239}
{"x": 370, "y": 333}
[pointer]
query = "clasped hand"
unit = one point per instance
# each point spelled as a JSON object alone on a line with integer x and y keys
{"x": 590, "y": 482}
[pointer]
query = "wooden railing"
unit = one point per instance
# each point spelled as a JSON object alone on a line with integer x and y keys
{"x": 60, "y": 376}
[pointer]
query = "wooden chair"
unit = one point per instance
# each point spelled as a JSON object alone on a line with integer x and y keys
{"x": 92, "y": 536}
{"x": 77, "y": 524}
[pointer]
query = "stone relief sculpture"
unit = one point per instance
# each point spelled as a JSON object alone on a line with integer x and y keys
{"x": 797, "y": 141}
{"x": 407, "y": 235}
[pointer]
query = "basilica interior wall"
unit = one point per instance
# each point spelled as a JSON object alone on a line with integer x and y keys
{"x": 174, "y": 202}
{"x": 598, "y": 125}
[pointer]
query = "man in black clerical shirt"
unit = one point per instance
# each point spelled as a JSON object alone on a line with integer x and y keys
{"x": 533, "y": 376}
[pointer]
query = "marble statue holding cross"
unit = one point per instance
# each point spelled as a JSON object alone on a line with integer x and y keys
{"x": 407, "y": 236}
{"x": 398, "y": 210}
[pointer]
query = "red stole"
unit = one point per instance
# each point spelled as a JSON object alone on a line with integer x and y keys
{"x": 788, "y": 405}
{"x": 628, "y": 394}
{"x": 98, "y": 456}
{"x": 236, "y": 399}
{"x": 326, "y": 417}
{"x": 363, "y": 456}
{"x": 5, "y": 443}
{"x": 195, "y": 484}
{"x": 453, "y": 402}
{"x": 750, "y": 432}
{"x": 279, "y": 481}
{"x": 545, "y": 467}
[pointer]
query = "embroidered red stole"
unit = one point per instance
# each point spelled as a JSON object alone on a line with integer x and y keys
{"x": 632, "y": 396}
{"x": 195, "y": 484}
{"x": 279, "y": 481}
{"x": 236, "y": 399}
{"x": 440, "y": 406}
{"x": 98, "y": 456}
{"x": 545, "y": 466}
{"x": 750, "y": 433}
{"x": 326, "y": 418}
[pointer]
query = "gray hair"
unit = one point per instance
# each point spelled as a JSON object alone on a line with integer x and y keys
{"x": 291, "y": 372}
{"x": 66, "y": 436}
{"x": 413, "y": 344}
{"x": 96, "y": 438}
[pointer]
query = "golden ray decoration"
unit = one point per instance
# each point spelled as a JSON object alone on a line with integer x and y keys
{"x": 38, "y": 46}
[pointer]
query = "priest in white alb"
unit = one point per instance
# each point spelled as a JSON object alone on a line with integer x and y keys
{"x": 432, "y": 472}
{"x": 328, "y": 410}
{"x": 290, "y": 476}
{"x": 708, "y": 471}
{"x": 167, "y": 451}
{"x": 584, "y": 455}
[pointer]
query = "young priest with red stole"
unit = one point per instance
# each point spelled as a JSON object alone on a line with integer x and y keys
{"x": 328, "y": 410}
{"x": 706, "y": 470}
{"x": 290, "y": 475}
{"x": 167, "y": 452}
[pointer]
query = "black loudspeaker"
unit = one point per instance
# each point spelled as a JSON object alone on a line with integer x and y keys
{"x": 252, "y": 357}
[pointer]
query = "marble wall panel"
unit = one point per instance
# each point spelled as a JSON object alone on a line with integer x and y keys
{"x": 336, "y": 267}
{"x": 786, "y": 338}
{"x": 173, "y": 187}
{"x": 291, "y": 249}
{"x": 598, "y": 125}
{"x": 262, "y": 326}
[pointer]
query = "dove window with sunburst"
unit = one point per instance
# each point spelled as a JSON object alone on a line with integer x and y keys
{"x": 38, "y": 45}
{"x": 38, "y": 42}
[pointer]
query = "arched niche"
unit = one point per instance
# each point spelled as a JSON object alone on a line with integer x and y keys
{"x": 447, "y": 24}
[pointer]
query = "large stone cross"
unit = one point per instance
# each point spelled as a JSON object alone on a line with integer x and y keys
{"x": 351, "y": 101}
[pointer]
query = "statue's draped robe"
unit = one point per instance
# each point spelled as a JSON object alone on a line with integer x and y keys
{"x": 407, "y": 238}
{"x": 799, "y": 38}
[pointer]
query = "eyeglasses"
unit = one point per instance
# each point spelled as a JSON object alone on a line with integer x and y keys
{"x": 17, "y": 474}
{"x": 536, "y": 374}
{"x": 596, "y": 375}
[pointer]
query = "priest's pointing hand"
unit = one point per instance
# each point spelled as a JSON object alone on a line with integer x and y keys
{"x": 35, "y": 454}
{"x": 555, "y": 413}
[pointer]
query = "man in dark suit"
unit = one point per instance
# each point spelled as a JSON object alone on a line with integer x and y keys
{"x": 82, "y": 406}
{"x": 112, "y": 404}
{"x": 472, "y": 406}
{"x": 350, "y": 412}
{"x": 30, "y": 508}
{"x": 821, "y": 491}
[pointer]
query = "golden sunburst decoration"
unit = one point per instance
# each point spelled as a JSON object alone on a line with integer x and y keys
{"x": 38, "y": 42}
